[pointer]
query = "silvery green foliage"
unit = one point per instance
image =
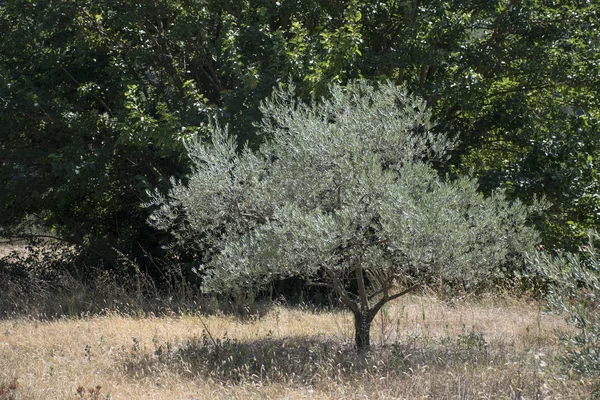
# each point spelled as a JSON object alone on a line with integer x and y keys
{"x": 574, "y": 287}
{"x": 339, "y": 185}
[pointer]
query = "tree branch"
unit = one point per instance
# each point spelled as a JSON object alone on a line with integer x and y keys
{"x": 517, "y": 89}
{"x": 360, "y": 280}
{"x": 341, "y": 291}
{"x": 494, "y": 39}
{"x": 386, "y": 299}
{"x": 321, "y": 284}
{"x": 96, "y": 97}
{"x": 372, "y": 295}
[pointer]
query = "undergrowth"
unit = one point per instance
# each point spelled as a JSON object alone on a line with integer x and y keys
{"x": 405, "y": 363}
{"x": 38, "y": 279}
{"x": 318, "y": 361}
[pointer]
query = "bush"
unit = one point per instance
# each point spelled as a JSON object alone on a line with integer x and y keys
{"x": 574, "y": 287}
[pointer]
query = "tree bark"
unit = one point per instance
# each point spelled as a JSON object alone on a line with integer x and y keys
{"x": 362, "y": 330}
{"x": 364, "y": 317}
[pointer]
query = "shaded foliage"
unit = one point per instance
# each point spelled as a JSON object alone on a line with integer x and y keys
{"x": 97, "y": 97}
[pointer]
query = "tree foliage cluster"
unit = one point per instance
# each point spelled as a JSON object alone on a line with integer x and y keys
{"x": 98, "y": 97}
{"x": 574, "y": 288}
{"x": 341, "y": 191}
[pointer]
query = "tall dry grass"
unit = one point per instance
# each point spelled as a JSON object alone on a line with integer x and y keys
{"x": 424, "y": 349}
{"x": 40, "y": 279}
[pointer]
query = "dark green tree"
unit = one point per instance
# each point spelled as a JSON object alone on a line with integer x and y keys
{"x": 88, "y": 124}
{"x": 96, "y": 97}
{"x": 516, "y": 81}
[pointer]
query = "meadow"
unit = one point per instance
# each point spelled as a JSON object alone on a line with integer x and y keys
{"x": 424, "y": 348}
{"x": 62, "y": 339}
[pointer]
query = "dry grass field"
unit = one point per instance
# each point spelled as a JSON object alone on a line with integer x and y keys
{"x": 424, "y": 348}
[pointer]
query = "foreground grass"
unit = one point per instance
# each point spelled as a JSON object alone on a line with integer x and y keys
{"x": 424, "y": 349}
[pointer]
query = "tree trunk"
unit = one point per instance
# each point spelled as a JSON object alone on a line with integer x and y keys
{"x": 362, "y": 330}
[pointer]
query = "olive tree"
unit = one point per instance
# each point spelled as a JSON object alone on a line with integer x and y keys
{"x": 573, "y": 286}
{"x": 342, "y": 193}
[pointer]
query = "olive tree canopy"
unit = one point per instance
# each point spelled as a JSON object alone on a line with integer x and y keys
{"x": 342, "y": 193}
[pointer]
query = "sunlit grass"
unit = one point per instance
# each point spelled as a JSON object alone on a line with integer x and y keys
{"x": 423, "y": 348}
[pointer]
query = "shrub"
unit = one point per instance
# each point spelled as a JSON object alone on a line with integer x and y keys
{"x": 574, "y": 287}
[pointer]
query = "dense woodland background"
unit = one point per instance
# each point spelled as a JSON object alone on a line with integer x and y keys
{"x": 97, "y": 97}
